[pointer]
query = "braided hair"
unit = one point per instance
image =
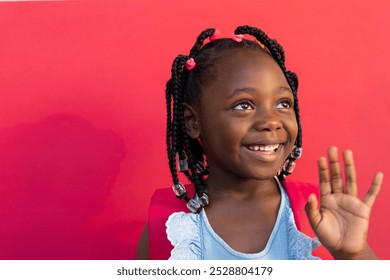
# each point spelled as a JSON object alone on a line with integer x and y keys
{"x": 185, "y": 86}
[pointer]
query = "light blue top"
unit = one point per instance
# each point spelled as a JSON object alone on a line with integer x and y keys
{"x": 194, "y": 239}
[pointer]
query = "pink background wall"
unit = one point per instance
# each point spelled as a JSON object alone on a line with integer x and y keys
{"x": 82, "y": 113}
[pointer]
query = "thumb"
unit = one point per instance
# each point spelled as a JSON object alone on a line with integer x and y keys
{"x": 312, "y": 211}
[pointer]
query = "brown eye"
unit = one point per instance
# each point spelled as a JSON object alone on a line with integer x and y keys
{"x": 284, "y": 104}
{"x": 243, "y": 106}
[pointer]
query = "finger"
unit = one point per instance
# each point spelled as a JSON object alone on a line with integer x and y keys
{"x": 312, "y": 211}
{"x": 350, "y": 173}
{"x": 323, "y": 172}
{"x": 335, "y": 171}
{"x": 372, "y": 193}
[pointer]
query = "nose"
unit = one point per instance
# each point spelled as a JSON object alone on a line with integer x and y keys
{"x": 267, "y": 119}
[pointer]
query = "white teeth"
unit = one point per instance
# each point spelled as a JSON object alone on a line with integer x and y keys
{"x": 263, "y": 148}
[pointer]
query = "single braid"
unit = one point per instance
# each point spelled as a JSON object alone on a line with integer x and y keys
{"x": 173, "y": 92}
{"x": 196, "y": 177}
{"x": 272, "y": 45}
{"x": 194, "y": 145}
{"x": 200, "y": 41}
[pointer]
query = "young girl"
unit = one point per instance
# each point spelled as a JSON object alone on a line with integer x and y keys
{"x": 234, "y": 130}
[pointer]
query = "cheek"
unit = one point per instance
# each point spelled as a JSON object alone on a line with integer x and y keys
{"x": 292, "y": 128}
{"x": 225, "y": 135}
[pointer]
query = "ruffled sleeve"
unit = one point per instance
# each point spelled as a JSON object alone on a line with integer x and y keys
{"x": 183, "y": 231}
{"x": 301, "y": 245}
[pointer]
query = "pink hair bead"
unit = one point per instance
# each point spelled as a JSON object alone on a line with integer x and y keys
{"x": 238, "y": 37}
{"x": 190, "y": 64}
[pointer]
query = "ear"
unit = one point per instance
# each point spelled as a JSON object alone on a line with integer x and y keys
{"x": 191, "y": 120}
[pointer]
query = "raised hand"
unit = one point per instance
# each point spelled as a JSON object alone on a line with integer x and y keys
{"x": 341, "y": 222}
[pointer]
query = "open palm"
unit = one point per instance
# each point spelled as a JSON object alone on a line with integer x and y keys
{"x": 341, "y": 222}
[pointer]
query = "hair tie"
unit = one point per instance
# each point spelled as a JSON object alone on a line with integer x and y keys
{"x": 190, "y": 64}
{"x": 261, "y": 45}
{"x": 216, "y": 35}
{"x": 238, "y": 37}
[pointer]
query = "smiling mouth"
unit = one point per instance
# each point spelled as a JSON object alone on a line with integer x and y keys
{"x": 264, "y": 148}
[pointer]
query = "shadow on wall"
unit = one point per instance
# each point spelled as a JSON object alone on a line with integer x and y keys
{"x": 54, "y": 176}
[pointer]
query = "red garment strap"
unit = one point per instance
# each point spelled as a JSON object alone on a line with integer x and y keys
{"x": 298, "y": 194}
{"x": 164, "y": 203}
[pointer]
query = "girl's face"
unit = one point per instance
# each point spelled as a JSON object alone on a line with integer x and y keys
{"x": 246, "y": 119}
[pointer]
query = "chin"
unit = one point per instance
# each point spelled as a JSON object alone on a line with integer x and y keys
{"x": 262, "y": 175}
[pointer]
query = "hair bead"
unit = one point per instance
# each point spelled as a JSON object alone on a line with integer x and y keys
{"x": 194, "y": 206}
{"x": 183, "y": 165}
{"x": 179, "y": 190}
{"x": 204, "y": 200}
{"x": 238, "y": 37}
{"x": 289, "y": 166}
{"x": 190, "y": 64}
{"x": 296, "y": 152}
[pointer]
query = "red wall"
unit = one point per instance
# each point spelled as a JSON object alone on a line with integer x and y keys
{"x": 82, "y": 112}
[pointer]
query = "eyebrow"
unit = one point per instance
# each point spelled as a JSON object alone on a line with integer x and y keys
{"x": 250, "y": 90}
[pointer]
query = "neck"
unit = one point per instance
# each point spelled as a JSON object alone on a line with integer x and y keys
{"x": 240, "y": 188}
